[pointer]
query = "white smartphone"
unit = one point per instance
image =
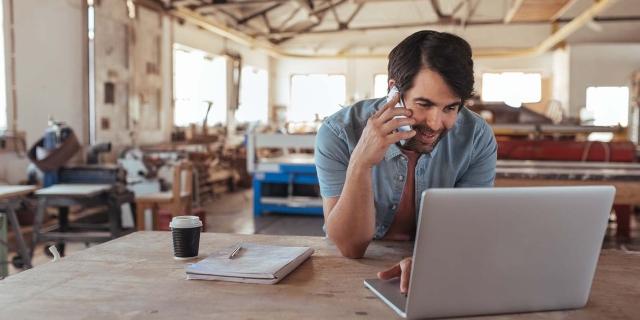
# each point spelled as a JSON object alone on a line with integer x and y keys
{"x": 394, "y": 90}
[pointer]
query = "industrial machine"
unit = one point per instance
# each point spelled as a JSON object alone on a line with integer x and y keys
{"x": 284, "y": 181}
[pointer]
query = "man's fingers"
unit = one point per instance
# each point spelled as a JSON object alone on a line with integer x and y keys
{"x": 390, "y": 273}
{"x": 400, "y": 135}
{"x": 394, "y": 124}
{"x": 405, "y": 275}
{"x": 392, "y": 103}
{"x": 394, "y": 112}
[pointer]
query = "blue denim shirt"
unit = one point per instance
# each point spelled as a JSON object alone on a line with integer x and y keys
{"x": 464, "y": 157}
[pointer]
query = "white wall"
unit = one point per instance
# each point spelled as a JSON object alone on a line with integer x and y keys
{"x": 197, "y": 38}
{"x": 360, "y": 72}
{"x": 560, "y": 79}
{"x": 599, "y": 65}
{"x": 48, "y": 72}
{"x": 359, "y": 75}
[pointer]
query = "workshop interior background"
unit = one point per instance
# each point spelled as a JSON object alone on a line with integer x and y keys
{"x": 210, "y": 107}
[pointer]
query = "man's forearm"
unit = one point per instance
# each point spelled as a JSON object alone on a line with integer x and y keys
{"x": 351, "y": 222}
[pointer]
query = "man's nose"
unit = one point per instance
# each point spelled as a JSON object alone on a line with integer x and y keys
{"x": 433, "y": 119}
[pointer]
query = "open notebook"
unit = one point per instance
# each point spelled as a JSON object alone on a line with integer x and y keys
{"x": 254, "y": 263}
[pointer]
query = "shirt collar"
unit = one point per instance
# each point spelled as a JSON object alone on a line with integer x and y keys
{"x": 392, "y": 152}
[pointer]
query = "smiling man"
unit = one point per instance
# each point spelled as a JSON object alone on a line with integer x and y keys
{"x": 370, "y": 182}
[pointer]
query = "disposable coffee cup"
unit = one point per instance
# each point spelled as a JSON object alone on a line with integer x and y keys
{"x": 186, "y": 236}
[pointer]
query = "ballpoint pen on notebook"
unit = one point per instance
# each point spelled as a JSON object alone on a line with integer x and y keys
{"x": 235, "y": 251}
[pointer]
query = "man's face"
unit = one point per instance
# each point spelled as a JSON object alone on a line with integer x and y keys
{"x": 435, "y": 109}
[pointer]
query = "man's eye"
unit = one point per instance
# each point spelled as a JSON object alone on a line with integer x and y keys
{"x": 451, "y": 108}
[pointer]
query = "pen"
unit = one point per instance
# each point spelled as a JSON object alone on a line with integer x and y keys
{"x": 235, "y": 251}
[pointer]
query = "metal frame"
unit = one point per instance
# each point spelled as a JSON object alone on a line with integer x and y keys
{"x": 4, "y": 250}
{"x": 63, "y": 231}
{"x": 9, "y": 206}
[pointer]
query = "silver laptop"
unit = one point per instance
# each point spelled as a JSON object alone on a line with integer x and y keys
{"x": 502, "y": 250}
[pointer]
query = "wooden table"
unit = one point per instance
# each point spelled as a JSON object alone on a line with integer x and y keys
{"x": 9, "y": 199}
{"x": 136, "y": 277}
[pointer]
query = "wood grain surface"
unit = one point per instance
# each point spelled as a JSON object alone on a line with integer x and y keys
{"x": 136, "y": 277}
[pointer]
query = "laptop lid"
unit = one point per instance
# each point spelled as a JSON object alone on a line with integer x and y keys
{"x": 506, "y": 250}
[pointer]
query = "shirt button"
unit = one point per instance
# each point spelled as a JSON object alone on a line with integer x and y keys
{"x": 400, "y": 177}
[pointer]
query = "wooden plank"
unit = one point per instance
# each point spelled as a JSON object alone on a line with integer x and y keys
{"x": 627, "y": 192}
{"x": 135, "y": 277}
{"x": 74, "y": 190}
{"x": 539, "y": 10}
{"x": 7, "y": 192}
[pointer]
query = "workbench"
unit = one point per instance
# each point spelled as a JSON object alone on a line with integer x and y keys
{"x": 625, "y": 177}
{"x": 64, "y": 196}
{"x": 136, "y": 277}
{"x": 10, "y": 197}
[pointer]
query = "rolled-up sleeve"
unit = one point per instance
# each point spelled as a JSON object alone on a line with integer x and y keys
{"x": 331, "y": 159}
{"x": 482, "y": 168}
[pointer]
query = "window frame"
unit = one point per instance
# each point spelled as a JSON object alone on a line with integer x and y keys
{"x": 206, "y": 55}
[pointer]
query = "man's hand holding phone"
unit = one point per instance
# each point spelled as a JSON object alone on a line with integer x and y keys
{"x": 381, "y": 131}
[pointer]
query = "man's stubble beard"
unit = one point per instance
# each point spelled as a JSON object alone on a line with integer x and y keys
{"x": 414, "y": 144}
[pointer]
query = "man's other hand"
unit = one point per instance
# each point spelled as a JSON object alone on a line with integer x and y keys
{"x": 403, "y": 270}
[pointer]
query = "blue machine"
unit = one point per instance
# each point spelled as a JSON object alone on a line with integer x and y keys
{"x": 289, "y": 174}
{"x": 51, "y": 140}
{"x": 287, "y": 171}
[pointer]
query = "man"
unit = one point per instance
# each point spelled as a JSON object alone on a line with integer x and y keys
{"x": 370, "y": 182}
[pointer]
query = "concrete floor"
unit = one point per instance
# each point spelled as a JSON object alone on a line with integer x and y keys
{"x": 232, "y": 213}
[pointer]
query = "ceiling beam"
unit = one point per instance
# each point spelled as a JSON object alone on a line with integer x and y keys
{"x": 355, "y": 12}
{"x": 319, "y": 13}
{"x": 284, "y": 22}
{"x": 435, "y": 5}
{"x": 558, "y": 36}
{"x": 219, "y": 4}
{"x": 515, "y": 6}
{"x": 308, "y": 7}
{"x": 563, "y": 10}
{"x": 335, "y": 13}
{"x": 573, "y": 26}
{"x": 470, "y": 23}
{"x": 258, "y": 13}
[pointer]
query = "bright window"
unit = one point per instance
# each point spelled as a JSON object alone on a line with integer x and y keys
{"x": 316, "y": 96}
{"x": 254, "y": 94}
{"x": 199, "y": 79}
{"x": 380, "y": 85}
{"x": 608, "y": 106}
{"x": 3, "y": 78}
{"x": 512, "y": 88}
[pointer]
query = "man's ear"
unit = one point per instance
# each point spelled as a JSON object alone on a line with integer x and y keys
{"x": 392, "y": 83}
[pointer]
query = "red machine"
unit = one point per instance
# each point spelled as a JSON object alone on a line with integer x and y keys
{"x": 551, "y": 150}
